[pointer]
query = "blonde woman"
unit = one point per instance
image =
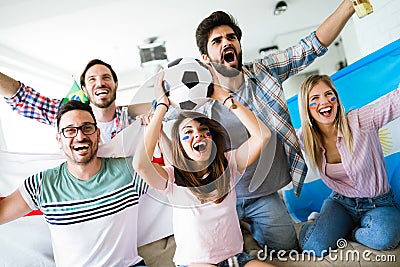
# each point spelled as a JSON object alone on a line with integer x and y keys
{"x": 346, "y": 151}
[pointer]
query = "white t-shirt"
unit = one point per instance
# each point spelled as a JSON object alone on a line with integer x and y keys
{"x": 105, "y": 130}
{"x": 204, "y": 233}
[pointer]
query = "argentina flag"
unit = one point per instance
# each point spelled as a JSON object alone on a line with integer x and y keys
{"x": 358, "y": 84}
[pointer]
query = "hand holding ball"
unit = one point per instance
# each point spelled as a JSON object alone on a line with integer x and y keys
{"x": 187, "y": 83}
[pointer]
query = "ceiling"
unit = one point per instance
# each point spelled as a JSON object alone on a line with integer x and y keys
{"x": 59, "y": 37}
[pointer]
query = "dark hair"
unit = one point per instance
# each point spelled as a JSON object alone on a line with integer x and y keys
{"x": 73, "y": 105}
{"x": 216, "y": 19}
{"x": 218, "y": 168}
{"x": 96, "y": 62}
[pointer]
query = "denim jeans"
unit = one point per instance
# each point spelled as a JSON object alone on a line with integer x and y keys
{"x": 269, "y": 221}
{"x": 372, "y": 222}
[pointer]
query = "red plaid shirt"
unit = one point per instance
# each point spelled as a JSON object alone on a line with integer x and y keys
{"x": 31, "y": 104}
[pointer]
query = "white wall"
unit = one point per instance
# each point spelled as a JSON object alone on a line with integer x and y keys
{"x": 328, "y": 64}
{"x": 2, "y": 141}
{"x": 364, "y": 36}
{"x": 24, "y": 135}
{"x": 359, "y": 38}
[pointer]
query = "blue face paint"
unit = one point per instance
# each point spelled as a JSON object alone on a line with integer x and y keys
{"x": 208, "y": 133}
{"x": 333, "y": 99}
{"x": 186, "y": 137}
{"x": 313, "y": 105}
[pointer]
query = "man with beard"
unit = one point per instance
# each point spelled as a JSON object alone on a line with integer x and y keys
{"x": 258, "y": 85}
{"x": 90, "y": 204}
{"x": 98, "y": 81}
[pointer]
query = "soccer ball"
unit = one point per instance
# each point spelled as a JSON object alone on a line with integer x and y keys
{"x": 187, "y": 83}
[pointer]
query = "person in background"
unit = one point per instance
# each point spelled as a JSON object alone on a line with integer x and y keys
{"x": 258, "y": 85}
{"x": 346, "y": 150}
{"x": 90, "y": 204}
{"x": 200, "y": 183}
{"x": 98, "y": 81}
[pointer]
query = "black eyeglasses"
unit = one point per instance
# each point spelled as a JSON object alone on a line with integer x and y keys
{"x": 87, "y": 129}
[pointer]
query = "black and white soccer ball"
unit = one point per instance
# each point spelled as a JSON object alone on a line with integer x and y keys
{"x": 187, "y": 83}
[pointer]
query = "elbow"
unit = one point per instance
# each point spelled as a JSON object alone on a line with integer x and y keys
{"x": 139, "y": 166}
{"x": 141, "y": 160}
{"x": 263, "y": 133}
{"x": 266, "y": 136}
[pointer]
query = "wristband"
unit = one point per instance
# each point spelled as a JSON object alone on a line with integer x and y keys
{"x": 162, "y": 104}
{"x": 233, "y": 105}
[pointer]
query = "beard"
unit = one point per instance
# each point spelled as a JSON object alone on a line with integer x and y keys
{"x": 103, "y": 103}
{"x": 239, "y": 57}
{"x": 228, "y": 71}
{"x": 86, "y": 159}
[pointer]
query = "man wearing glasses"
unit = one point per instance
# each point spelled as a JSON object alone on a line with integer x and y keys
{"x": 90, "y": 203}
{"x": 100, "y": 83}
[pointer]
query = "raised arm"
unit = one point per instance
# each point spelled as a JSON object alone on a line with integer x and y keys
{"x": 329, "y": 30}
{"x": 29, "y": 103}
{"x": 13, "y": 207}
{"x": 139, "y": 109}
{"x": 250, "y": 150}
{"x": 151, "y": 172}
{"x": 8, "y": 86}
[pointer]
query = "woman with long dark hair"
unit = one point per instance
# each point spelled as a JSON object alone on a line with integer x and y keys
{"x": 200, "y": 184}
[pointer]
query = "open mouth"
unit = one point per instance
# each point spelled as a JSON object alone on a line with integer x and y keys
{"x": 200, "y": 146}
{"x": 101, "y": 92}
{"x": 80, "y": 147}
{"x": 326, "y": 111}
{"x": 229, "y": 56}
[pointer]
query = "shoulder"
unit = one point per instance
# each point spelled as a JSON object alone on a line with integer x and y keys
{"x": 48, "y": 176}
{"x": 119, "y": 160}
{"x": 230, "y": 157}
{"x": 54, "y": 171}
{"x": 171, "y": 171}
{"x": 299, "y": 133}
{"x": 254, "y": 67}
{"x": 120, "y": 164}
{"x": 229, "y": 154}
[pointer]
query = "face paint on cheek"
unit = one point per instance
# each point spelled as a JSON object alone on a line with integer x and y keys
{"x": 333, "y": 100}
{"x": 185, "y": 137}
{"x": 313, "y": 105}
{"x": 208, "y": 133}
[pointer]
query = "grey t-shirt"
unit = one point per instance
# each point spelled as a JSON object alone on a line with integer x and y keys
{"x": 269, "y": 173}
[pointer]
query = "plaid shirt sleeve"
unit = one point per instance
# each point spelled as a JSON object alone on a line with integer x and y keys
{"x": 265, "y": 77}
{"x": 288, "y": 62}
{"x": 31, "y": 104}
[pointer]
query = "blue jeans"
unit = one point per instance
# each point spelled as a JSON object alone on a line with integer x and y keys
{"x": 269, "y": 221}
{"x": 372, "y": 222}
